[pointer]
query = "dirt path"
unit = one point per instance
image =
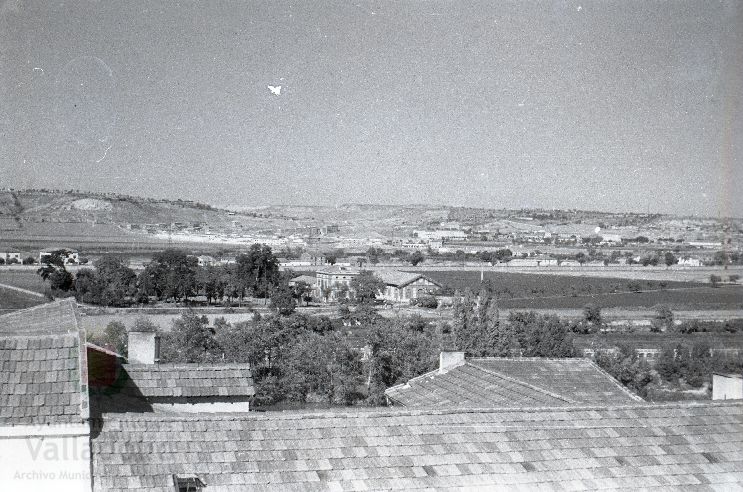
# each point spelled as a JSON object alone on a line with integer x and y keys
{"x": 25, "y": 291}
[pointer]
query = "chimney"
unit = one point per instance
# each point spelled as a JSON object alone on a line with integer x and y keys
{"x": 450, "y": 360}
{"x": 144, "y": 347}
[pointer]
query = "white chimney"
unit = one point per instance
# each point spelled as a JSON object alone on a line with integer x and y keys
{"x": 450, "y": 360}
{"x": 144, "y": 347}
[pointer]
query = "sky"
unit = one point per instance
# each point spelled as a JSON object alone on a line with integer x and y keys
{"x": 602, "y": 105}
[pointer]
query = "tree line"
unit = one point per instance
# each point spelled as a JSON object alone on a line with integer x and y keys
{"x": 173, "y": 274}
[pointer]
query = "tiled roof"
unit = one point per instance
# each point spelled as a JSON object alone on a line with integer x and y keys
{"x": 468, "y": 386}
{"x": 339, "y": 270}
{"x": 495, "y": 383}
{"x": 50, "y": 318}
{"x": 640, "y": 446}
{"x": 308, "y": 279}
{"x": 398, "y": 278}
{"x": 578, "y": 379}
{"x": 40, "y": 380}
{"x": 191, "y": 380}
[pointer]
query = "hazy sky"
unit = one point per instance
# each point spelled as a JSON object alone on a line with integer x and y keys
{"x": 611, "y": 105}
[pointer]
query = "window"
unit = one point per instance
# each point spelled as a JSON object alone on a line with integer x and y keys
{"x": 188, "y": 483}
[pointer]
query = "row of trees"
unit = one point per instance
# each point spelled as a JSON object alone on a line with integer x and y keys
{"x": 172, "y": 274}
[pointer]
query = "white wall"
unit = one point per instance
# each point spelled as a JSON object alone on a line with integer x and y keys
{"x": 40, "y": 458}
{"x": 726, "y": 388}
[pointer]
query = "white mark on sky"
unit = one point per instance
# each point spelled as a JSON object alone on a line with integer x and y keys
{"x": 105, "y": 153}
{"x": 579, "y": 8}
{"x": 275, "y": 89}
{"x": 39, "y": 69}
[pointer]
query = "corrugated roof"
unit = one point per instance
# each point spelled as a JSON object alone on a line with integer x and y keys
{"x": 496, "y": 382}
{"x": 632, "y": 447}
{"x": 339, "y": 270}
{"x": 191, "y": 380}
{"x": 40, "y": 380}
{"x": 45, "y": 319}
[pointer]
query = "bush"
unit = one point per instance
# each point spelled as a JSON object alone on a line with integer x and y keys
{"x": 29, "y": 261}
{"x": 715, "y": 280}
{"x": 429, "y": 302}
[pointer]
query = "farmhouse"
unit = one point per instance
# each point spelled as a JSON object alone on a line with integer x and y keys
{"x": 335, "y": 280}
{"x": 405, "y": 286}
{"x": 69, "y": 256}
{"x": 9, "y": 256}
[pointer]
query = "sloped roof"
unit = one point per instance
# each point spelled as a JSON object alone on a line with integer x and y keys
{"x": 469, "y": 386}
{"x": 399, "y": 278}
{"x": 40, "y": 380}
{"x": 495, "y": 382}
{"x": 191, "y": 380}
{"x": 308, "y": 279}
{"x": 639, "y": 446}
{"x": 576, "y": 378}
{"x": 57, "y": 317}
{"x": 339, "y": 270}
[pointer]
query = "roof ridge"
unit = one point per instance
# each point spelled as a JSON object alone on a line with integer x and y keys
{"x": 533, "y": 359}
{"x": 43, "y": 305}
{"x": 393, "y": 412}
{"x": 523, "y": 383}
{"x": 189, "y": 365}
{"x": 626, "y": 390}
{"x": 424, "y": 375}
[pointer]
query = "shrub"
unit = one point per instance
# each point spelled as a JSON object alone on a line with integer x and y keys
{"x": 429, "y": 302}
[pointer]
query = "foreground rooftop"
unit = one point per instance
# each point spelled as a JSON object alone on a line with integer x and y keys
{"x": 636, "y": 446}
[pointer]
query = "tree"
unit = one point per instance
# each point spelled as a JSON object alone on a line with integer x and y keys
{"x": 366, "y": 286}
{"x": 114, "y": 337}
{"x": 670, "y": 259}
{"x": 373, "y": 255}
{"x": 191, "y": 340}
{"x": 117, "y": 282}
{"x": 592, "y": 314}
{"x": 258, "y": 270}
{"x": 29, "y": 260}
{"x": 581, "y": 257}
{"x": 282, "y": 299}
{"x": 416, "y": 257}
{"x": 715, "y": 280}
{"x": 663, "y": 320}
{"x": 171, "y": 274}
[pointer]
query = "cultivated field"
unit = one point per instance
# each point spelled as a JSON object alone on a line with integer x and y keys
{"x": 548, "y": 291}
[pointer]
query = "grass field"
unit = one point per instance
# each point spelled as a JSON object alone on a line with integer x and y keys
{"x": 12, "y": 299}
{"x": 25, "y": 279}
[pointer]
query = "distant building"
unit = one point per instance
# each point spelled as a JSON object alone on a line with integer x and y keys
{"x": 689, "y": 262}
{"x": 404, "y": 286}
{"x": 335, "y": 279}
{"x": 727, "y": 387}
{"x": 11, "y": 256}
{"x": 206, "y": 260}
{"x": 69, "y": 256}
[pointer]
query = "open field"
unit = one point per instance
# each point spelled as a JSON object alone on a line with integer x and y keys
{"x": 659, "y": 340}
{"x": 518, "y": 285}
{"x": 24, "y": 278}
{"x": 695, "y": 298}
{"x": 12, "y": 299}
{"x": 549, "y": 291}
{"x": 623, "y": 272}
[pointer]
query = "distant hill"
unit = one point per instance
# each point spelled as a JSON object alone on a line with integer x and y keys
{"x": 18, "y": 207}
